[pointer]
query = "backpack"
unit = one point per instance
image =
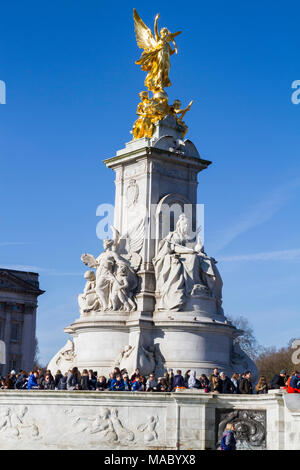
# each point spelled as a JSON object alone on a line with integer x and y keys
{"x": 295, "y": 382}
{"x": 62, "y": 384}
{"x": 224, "y": 446}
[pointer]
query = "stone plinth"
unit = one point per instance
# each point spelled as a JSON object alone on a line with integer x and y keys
{"x": 182, "y": 420}
{"x": 157, "y": 295}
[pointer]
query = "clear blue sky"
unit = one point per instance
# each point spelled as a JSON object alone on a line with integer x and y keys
{"x": 71, "y": 97}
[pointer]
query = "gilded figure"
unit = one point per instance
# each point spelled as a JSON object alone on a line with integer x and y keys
{"x": 155, "y": 58}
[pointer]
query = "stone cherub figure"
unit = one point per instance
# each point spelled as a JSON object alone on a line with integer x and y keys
{"x": 176, "y": 111}
{"x": 88, "y": 301}
{"x": 143, "y": 126}
{"x": 152, "y": 110}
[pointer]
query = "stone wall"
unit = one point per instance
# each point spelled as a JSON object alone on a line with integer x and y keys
{"x": 120, "y": 420}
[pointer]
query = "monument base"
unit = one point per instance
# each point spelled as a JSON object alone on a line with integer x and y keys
{"x": 183, "y": 420}
{"x": 130, "y": 340}
{"x": 190, "y": 342}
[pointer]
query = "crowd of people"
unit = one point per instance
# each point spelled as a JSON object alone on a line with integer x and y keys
{"x": 119, "y": 380}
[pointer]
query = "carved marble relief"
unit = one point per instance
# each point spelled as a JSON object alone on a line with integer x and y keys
{"x": 17, "y": 423}
{"x": 132, "y": 193}
{"x": 105, "y": 425}
{"x": 148, "y": 429}
{"x": 250, "y": 427}
{"x": 108, "y": 428}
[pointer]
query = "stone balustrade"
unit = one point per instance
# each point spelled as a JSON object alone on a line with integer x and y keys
{"x": 188, "y": 419}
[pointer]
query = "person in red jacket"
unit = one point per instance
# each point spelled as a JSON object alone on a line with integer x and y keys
{"x": 293, "y": 389}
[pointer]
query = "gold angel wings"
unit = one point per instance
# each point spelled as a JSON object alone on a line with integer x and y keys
{"x": 155, "y": 58}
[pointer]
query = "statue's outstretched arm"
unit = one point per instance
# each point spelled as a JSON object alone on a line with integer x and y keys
{"x": 183, "y": 111}
{"x": 171, "y": 38}
{"x": 157, "y": 36}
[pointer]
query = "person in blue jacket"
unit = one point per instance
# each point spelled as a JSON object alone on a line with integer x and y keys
{"x": 117, "y": 384}
{"x": 32, "y": 382}
{"x": 178, "y": 380}
{"x": 136, "y": 386}
{"x": 228, "y": 441}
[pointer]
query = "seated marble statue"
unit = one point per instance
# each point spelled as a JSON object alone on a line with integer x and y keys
{"x": 179, "y": 268}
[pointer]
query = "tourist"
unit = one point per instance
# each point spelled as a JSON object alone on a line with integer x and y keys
{"x": 204, "y": 383}
{"x": 9, "y": 383}
{"x": 214, "y": 381}
{"x": 92, "y": 380}
{"x": 262, "y": 385}
{"x": 135, "y": 375}
{"x": 228, "y": 441}
{"x": 62, "y": 384}
{"x": 178, "y": 381}
{"x": 84, "y": 380}
{"x": 151, "y": 384}
{"x": 48, "y": 372}
{"x": 111, "y": 378}
{"x": 40, "y": 378}
{"x": 33, "y": 381}
{"x": 186, "y": 377}
{"x": 13, "y": 377}
{"x": 143, "y": 383}
{"x": 235, "y": 379}
{"x": 116, "y": 372}
{"x": 245, "y": 386}
{"x": 293, "y": 384}
{"x": 101, "y": 384}
{"x": 192, "y": 382}
{"x": 166, "y": 377}
{"x": 170, "y": 378}
{"x": 21, "y": 382}
{"x": 162, "y": 385}
{"x": 48, "y": 382}
{"x": 73, "y": 380}
{"x": 226, "y": 384}
{"x": 126, "y": 382}
{"x": 117, "y": 384}
{"x": 57, "y": 378}
{"x": 137, "y": 385}
{"x": 278, "y": 381}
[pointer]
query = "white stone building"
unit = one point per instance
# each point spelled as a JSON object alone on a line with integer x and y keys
{"x": 19, "y": 291}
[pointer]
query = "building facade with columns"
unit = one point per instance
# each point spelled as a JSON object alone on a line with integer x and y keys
{"x": 19, "y": 291}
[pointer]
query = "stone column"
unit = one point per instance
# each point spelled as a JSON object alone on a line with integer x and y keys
{"x": 147, "y": 171}
{"x": 6, "y": 338}
{"x": 28, "y": 336}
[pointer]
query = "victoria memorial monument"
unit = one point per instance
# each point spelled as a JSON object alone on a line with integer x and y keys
{"x": 153, "y": 298}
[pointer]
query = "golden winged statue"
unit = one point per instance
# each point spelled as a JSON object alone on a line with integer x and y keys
{"x": 155, "y": 60}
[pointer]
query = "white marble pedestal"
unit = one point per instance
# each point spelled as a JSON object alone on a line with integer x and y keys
{"x": 154, "y": 176}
